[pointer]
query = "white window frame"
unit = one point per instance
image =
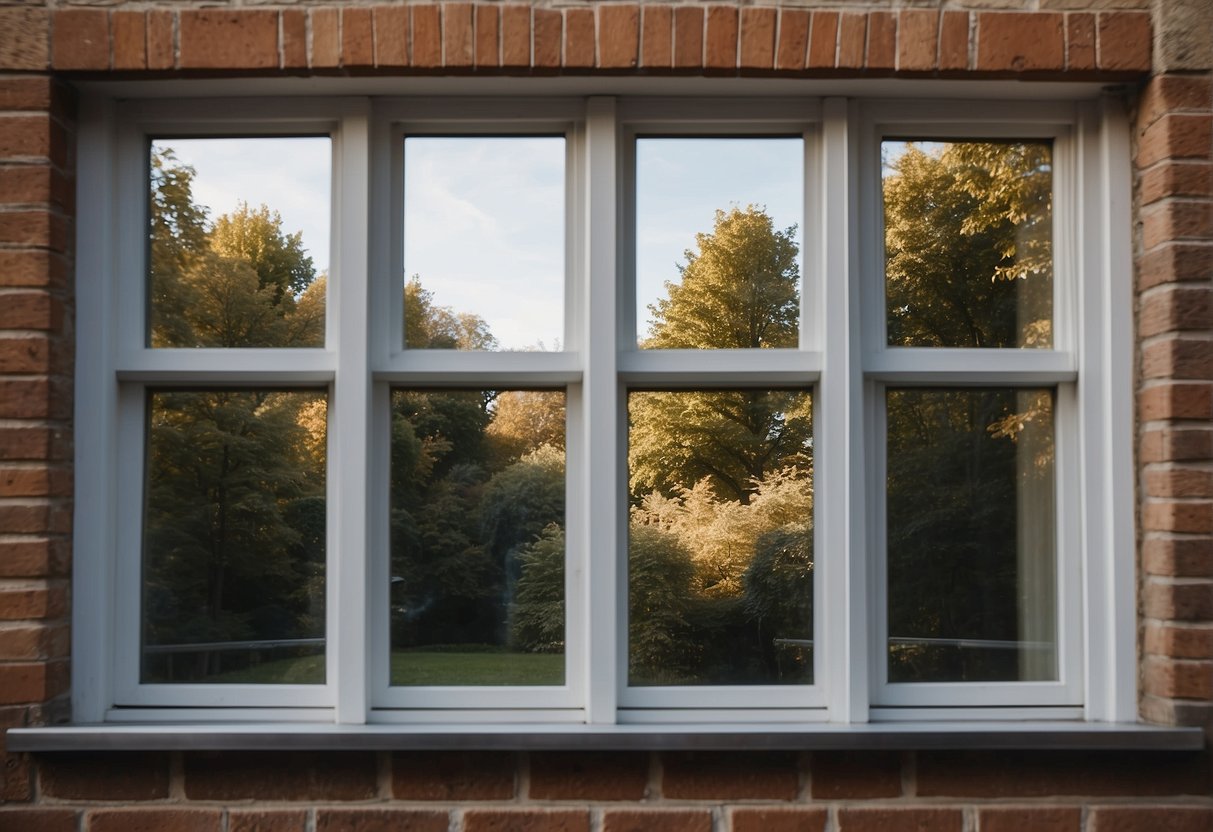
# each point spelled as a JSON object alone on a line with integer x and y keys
{"x": 841, "y": 360}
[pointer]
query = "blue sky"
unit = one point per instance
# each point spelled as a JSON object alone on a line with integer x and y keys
{"x": 484, "y": 216}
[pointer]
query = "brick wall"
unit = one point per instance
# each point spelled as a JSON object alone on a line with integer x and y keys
{"x": 44, "y": 46}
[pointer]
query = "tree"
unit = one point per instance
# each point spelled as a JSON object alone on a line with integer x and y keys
{"x": 739, "y": 291}
{"x": 968, "y": 245}
{"x": 429, "y": 326}
{"x": 255, "y": 236}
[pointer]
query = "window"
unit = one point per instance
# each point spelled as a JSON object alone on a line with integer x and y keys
{"x": 603, "y": 410}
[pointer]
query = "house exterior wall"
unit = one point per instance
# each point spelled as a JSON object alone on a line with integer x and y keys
{"x": 1161, "y": 51}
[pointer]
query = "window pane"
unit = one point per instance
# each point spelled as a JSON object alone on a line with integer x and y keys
{"x": 234, "y": 537}
{"x": 484, "y": 222}
{"x": 239, "y": 242}
{"x": 718, "y": 240}
{"x": 968, "y": 243}
{"x": 477, "y": 496}
{"x": 971, "y": 563}
{"x": 720, "y": 546}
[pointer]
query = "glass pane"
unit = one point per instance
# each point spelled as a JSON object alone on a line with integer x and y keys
{"x": 971, "y": 562}
{"x": 484, "y": 222}
{"x": 477, "y": 529}
{"x": 720, "y": 542}
{"x": 718, "y": 240}
{"x": 234, "y": 537}
{"x": 238, "y": 242}
{"x": 968, "y": 243}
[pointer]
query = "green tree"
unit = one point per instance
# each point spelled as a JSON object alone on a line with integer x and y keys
{"x": 740, "y": 290}
{"x": 538, "y": 617}
{"x": 429, "y": 326}
{"x": 255, "y": 236}
{"x": 178, "y": 234}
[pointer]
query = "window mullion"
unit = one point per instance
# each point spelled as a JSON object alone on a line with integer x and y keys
{"x": 350, "y": 425}
{"x": 602, "y": 424}
{"x": 844, "y": 634}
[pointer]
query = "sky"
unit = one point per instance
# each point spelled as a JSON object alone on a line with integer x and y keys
{"x": 485, "y": 219}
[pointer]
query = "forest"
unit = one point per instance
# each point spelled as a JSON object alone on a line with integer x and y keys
{"x": 720, "y": 482}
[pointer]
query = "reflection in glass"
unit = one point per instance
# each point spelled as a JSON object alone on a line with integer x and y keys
{"x": 718, "y": 242}
{"x": 720, "y": 542}
{"x": 484, "y": 221}
{"x": 971, "y": 561}
{"x": 234, "y": 537}
{"x": 968, "y": 243}
{"x": 238, "y": 242}
{"x": 477, "y": 537}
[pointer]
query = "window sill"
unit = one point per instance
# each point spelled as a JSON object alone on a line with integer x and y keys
{"x": 869, "y": 736}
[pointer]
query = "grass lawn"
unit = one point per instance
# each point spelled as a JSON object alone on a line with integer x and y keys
{"x": 422, "y": 667}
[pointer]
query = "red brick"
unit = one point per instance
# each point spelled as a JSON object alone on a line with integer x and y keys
{"x": 80, "y": 39}
{"x": 25, "y": 185}
{"x": 1179, "y": 482}
{"x": 35, "y": 481}
{"x": 1176, "y": 136}
{"x": 294, "y": 39}
{"x": 688, "y": 37}
{"x": 1173, "y": 93}
{"x": 1175, "y": 445}
{"x": 34, "y": 642}
{"x": 34, "y": 559}
{"x": 25, "y": 93}
{"x": 720, "y": 43}
{"x": 1080, "y": 41}
{"x": 1020, "y": 42}
{"x": 130, "y": 40}
{"x": 996, "y": 774}
{"x": 381, "y": 820}
{"x": 548, "y": 35}
{"x": 823, "y": 40}
{"x": 453, "y": 775}
{"x": 30, "y": 310}
{"x": 723, "y": 776}
{"x": 779, "y": 820}
{"x": 1171, "y": 516}
{"x": 793, "y": 39}
{"x": 1174, "y": 263}
{"x": 657, "y": 37}
{"x": 917, "y": 39}
{"x": 580, "y": 776}
{"x": 1150, "y": 819}
{"x": 1178, "y": 358}
{"x": 619, "y": 36}
{"x": 1177, "y": 179}
{"x": 357, "y": 38}
{"x": 882, "y": 41}
{"x": 525, "y": 820}
{"x": 1124, "y": 41}
{"x": 326, "y": 38}
{"x": 25, "y": 136}
{"x": 154, "y": 820}
{"x": 267, "y": 775}
{"x": 161, "y": 37}
{"x": 1178, "y": 642}
{"x": 127, "y": 775}
{"x": 33, "y": 228}
{"x": 31, "y": 269}
{"x": 391, "y": 36}
{"x": 1178, "y": 679}
{"x": 579, "y": 38}
{"x": 32, "y": 682}
{"x": 515, "y": 35}
{"x": 264, "y": 820}
{"x": 852, "y": 40}
{"x": 1191, "y": 601}
{"x": 900, "y": 820}
{"x": 33, "y": 518}
{"x": 426, "y": 26}
{"x": 24, "y": 42}
{"x": 488, "y": 36}
{"x": 954, "y": 40}
{"x": 28, "y": 603}
{"x": 457, "y": 34}
{"x": 1177, "y": 557}
{"x": 657, "y": 820}
{"x": 216, "y": 39}
{"x": 758, "y": 38}
{"x": 846, "y": 775}
{"x": 1176, "y": 220}
{"x": 1037, "y": 818}
{"x": 39, "y": 819}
